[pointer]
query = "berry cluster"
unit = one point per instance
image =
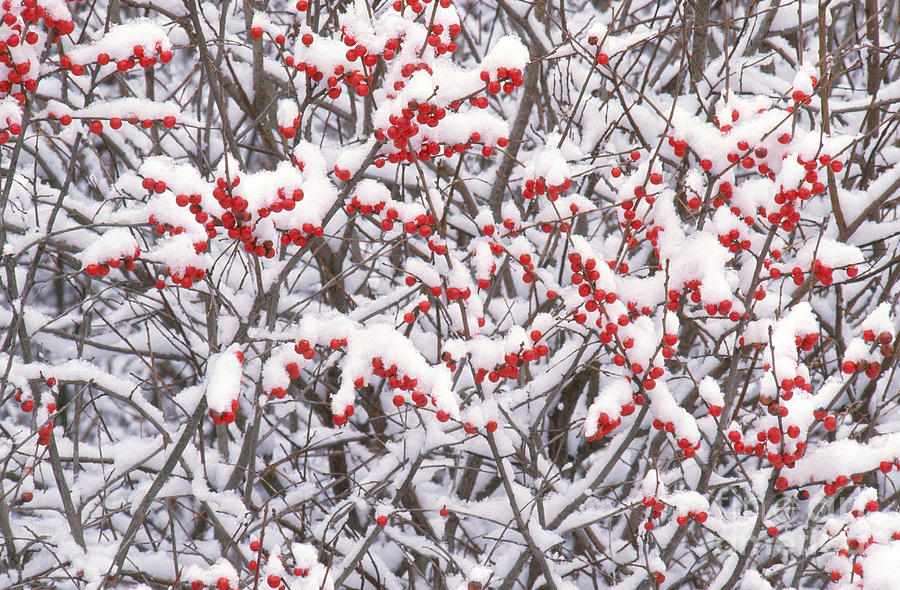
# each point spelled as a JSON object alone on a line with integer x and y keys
{"x": 184, "y": 277}
{"x": 115, "y": 123}
{"x": 19, "y": 24}
{"x": 47, "y": 429}
{"x": 602, "y": 58}
{"x": 408, "y": 125}
{"x": 801, "y": 96}
{"x": 502, "y": 79}
{"x": 289, "y": 131}
{"x": 868, "y": 366}
{"x": 222, "y": 583}
{"x": 442, "y": 39}
{"x": 885, "y": 340}
{"x": 606, "y": 424}
{"x": 657, "y": 506}
{"x": 225, "y": 417}
{"x": 274, "y": 562}
{"x": 684, "y": 444}
{"x": 140, "y": 56}
{"x": 514, "y": 362}
{"x": 539, "y": 186}
{"x": 790, "y": 200}
{"x": 415, "y": 5}
{"x": 124, "y": 262}
{"x": 26, "y": 405}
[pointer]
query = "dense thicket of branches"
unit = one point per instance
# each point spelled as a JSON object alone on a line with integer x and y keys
{"x": 490, "y": 294}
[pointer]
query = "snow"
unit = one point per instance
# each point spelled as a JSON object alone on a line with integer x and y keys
{"x": 664, "y": 407}
{"x": 114, "y": 243}
{"x": 880, "y": 320}
{"x": 881, "y": 566}
{"x": 752, "y": 580}
{"x": 178, "y": 253}
{"x": 710, "y": 392}
{"x": 223, "y": 381}
{"x": 827, "y": 461}
{"x": 120, "y": 40}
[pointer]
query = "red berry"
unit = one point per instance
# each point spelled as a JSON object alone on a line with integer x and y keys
{"x": 382, "y": 521}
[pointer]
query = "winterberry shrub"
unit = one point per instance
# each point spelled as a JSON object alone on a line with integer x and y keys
{"x": 449, "y": 294}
